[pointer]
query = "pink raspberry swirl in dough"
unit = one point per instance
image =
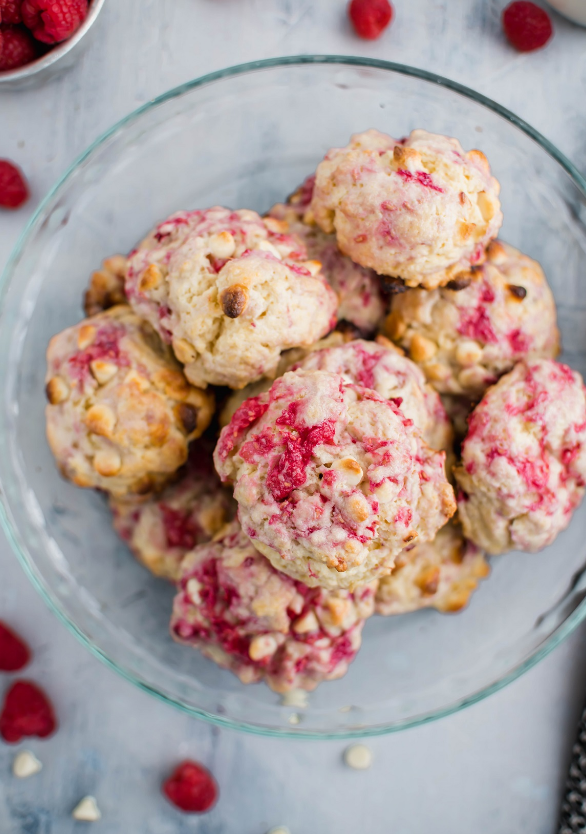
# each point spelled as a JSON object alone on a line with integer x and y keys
{"x": 468, "y": 334}
{"x": 420, "y": 209}
{"x": 228, "y": 293}
{"x": 389, "y": 373}
{"x": 239, "y": 611}
{"x": 524, "y": 458}
{"x": 332, "y": 480}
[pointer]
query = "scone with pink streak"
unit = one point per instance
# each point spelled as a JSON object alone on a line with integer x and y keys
{"x": 332, "y": 480}
{"x": 523, "y": 464}
{"x": 106, "y": 287}
{"x": 466, "y": 335}
{"x": 239, "y": 611}
{"x": 187, "y": 513}
{"x": 228, "y": 294}
{"x": 361, "y": 299}
{"x": 393, "y": 376}
{"x": 420, "y": 209}
{"x": 440, "y": 574}
{"x": 121, "y": 413}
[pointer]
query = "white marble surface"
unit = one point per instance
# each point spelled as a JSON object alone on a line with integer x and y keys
{"x": 497, "y": 767}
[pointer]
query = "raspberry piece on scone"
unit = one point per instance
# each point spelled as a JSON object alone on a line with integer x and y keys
{"x": 187, "y": 513}
{"x": 440, "y": 574}
{"x": 370, "y": 17}
{"x": 526, "y": 25}
{"x": 239, "y": 611}
{"x": 523, "y": 466}
{"x": 121, "y": 413}
{"x": 52, "y": 21}
{"x": 228, "y": 293}
{"x": 420, "y": 209}
{"x": 332, "y": 480}
{"x": 466, "y": 335}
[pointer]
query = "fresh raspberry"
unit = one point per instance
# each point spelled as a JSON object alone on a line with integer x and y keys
{"x": 10, "y": 11}
{"x": 370, "y": 17}
{"x": 191, "y": 787}
{"x": 52, "y": 21}
{"x": 14, "y": 652}
{"x": 13, "y": 186}
{"x": 18, "y": 47}
{"x": 26, "y": 712}
{"x": 526, "y": 25}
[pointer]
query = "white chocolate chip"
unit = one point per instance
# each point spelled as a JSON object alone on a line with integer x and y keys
{"x": 107, "y": 462}
{"x": 294, "y": 718}
{"x": 57, "y": 390}
{"x": 100, "y": 419}
{"x": 193, "y": 588}
{"x": 261, "y": 646}
{"x": 358, "y": 756}
{"x": 85, "y": 336}
{"x": 305, "y": 624}
{"x": 222, "y": 245}
{"x": 295, "y": 698}
{"x": 357, "y": 508}
{"x": 266, "y": 246}
{"x": 25, "y": 764}
{"x": 472, "y": 377}
{"x": 349, "y": 469}
{"x": 102, "y": 371}
{"x": 184, "y": 351}
{"x": 468, "y": 352}
{"x": 313, "y": 267}
{"x": 279, "y": 829}
{"x": 87, "y": 810}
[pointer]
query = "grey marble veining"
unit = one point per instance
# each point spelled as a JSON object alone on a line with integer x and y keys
{"x": 495, "y": 768}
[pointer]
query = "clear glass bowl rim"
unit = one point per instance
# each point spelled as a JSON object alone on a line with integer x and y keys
{"x": 552, "y": 641}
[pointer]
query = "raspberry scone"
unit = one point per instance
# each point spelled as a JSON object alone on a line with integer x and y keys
{"x": 440, "y": 574}
{"x": 106, "y": 287}
{"x": 389, "y": 373}
{"x": 420, "y": 209}
{"x": 120, "y": 413}
{"x": 332, "y": 480}
{"x": 239, "y": 611}
{"x": 187, "y": 513}
{"x": 466, "y": 335}
{"x": 361, "y": 300}
{"x": 228, "y": 294}
{"x": 524, "y": 458}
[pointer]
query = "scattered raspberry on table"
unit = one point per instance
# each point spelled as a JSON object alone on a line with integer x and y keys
{"x": 13, "y": 185}
{"x": 10, "y": 11}
{"x": 14, "y": 652}
{"x": 26, "y": 712}
{"x": 370, "y": 17}
{"x": 191, "y": 788}
{"x": 17, "y": 47}
{"x": 52, "y": 21}
{"x": 526, "y": 25}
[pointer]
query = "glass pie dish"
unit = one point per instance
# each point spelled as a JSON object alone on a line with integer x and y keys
{"x": 245, "y": 137}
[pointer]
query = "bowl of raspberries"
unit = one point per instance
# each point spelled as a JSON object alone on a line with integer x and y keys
{"x": 41, "y": 37}
{"x": 292, "y": 397}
